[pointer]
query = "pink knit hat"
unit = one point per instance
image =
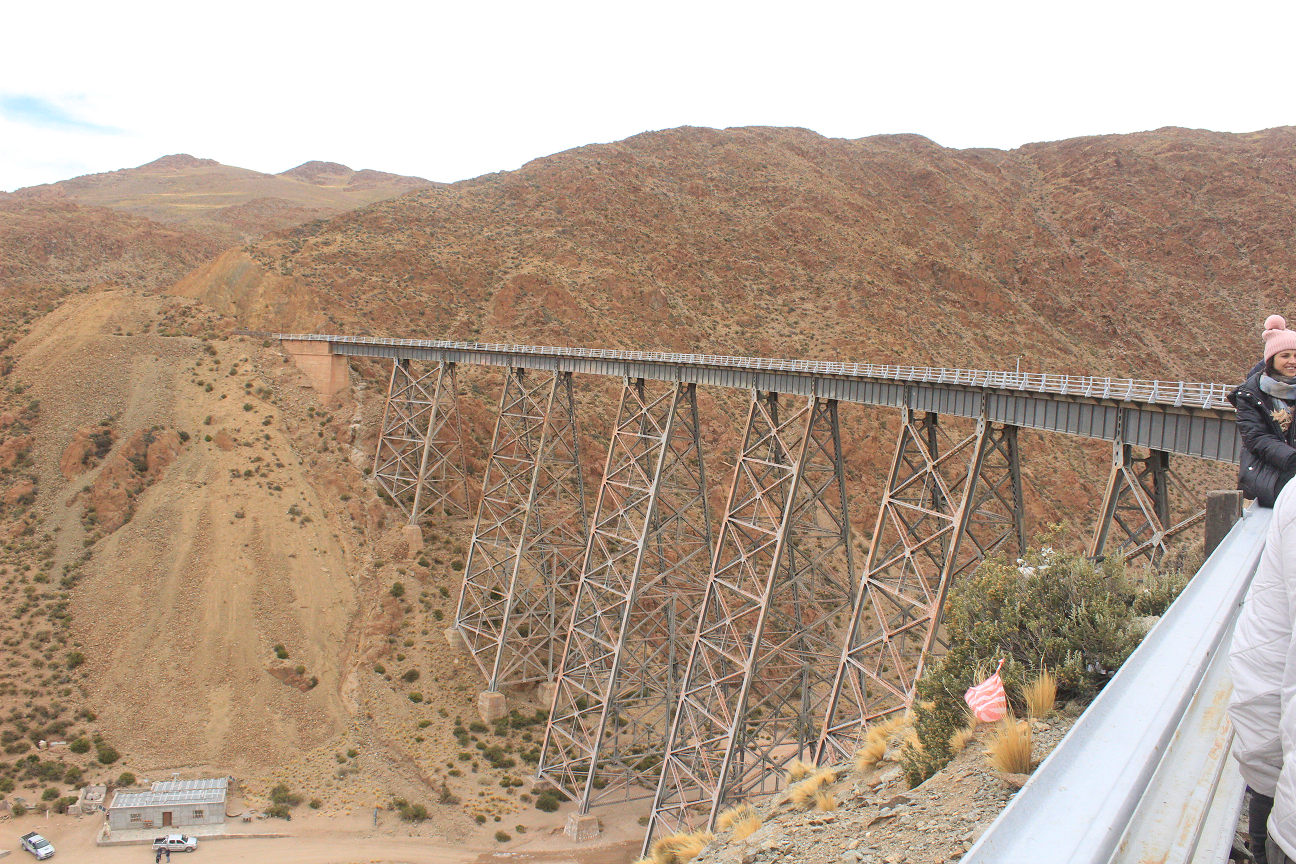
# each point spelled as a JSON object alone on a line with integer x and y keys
{"x": 1277, "y": 337}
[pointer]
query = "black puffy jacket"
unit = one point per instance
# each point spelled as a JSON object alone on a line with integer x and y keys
{"x": 1268, "y": 453}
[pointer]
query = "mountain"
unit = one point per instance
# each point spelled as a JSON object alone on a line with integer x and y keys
{"x": 1153, "y": 255}
{"x": 243, "y": 204}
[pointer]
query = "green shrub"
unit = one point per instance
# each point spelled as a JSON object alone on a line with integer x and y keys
{"x": 106, "y": 754}
{"x": 279, "y": 811}
{"x": 316, "y": 803}
{"x": 410, "y": 676}
{"x": 18, "y": 810}
{"x": 416, "y": 698}
{"x": 80, "y": 745}
{"x": 398, "y": 590}
{"x": 50, "y": 793}
{"x": 75, "y": 659}
{"x": 502, "y": 837}
{"x": 1049, "y": 609}
{"x": 126, "y": 779}
{"x": 547, "y": 801}
{"x": 281, "y": 652}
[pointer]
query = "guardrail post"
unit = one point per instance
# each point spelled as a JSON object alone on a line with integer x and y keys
{"x": 1223, "y": 509}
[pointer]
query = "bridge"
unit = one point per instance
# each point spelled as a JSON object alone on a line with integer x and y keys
{"x": 691, "y": 658}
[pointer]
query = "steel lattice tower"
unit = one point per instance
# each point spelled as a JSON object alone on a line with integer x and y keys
{"x": 524, "y": 563}
{"x": 948, "y": 505}
{"x": 648, "y": 559}
{"x": 420, "y": 456}
{"x": 772, "y": 622}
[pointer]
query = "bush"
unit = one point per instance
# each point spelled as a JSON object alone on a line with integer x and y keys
{"x": 410, "y": 676}
{"x": 75, "y": 659}
{"x": 281, "y": 652}
{"x": 50, "y": 793}
{"x": 106, "y": 754}
{"x": 409, "y": 812}
{"x": 279, "y": 811}
{"x": 397, "y": 590}
{"x": 18, "y": 810}
{"x": 502, "y": 836}
{"x": 547, "y": 801}
{"x": 80, "y": 745}
{"x": 1052, "y": 610}
{"x": 416, "y": 698}
{"x": 280, "y": 794}
{"x": 316, "y": 803}
{"x": 126, "y": 779}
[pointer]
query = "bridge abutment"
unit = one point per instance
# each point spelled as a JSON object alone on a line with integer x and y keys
{"x": 328, "y": 372}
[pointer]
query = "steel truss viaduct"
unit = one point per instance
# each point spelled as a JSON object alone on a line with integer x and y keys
{"x": 690, "y": 659}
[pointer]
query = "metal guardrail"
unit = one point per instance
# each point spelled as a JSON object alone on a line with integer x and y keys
{"x": 1145, "y": 775}
{"x": 1176, "y": 394}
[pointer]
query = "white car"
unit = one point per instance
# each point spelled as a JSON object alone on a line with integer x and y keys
{"x": 37, "y": 845}
{"x": 176, "y": 843}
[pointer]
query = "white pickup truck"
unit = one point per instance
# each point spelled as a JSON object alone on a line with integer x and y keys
{"x": 176, "y": 843}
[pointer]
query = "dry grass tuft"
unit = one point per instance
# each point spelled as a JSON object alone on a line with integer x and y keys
{"x": 692, "y": 846}
{"x": 880, "y": 738}
{"x": 747, "y": 825}
{"x": 1041, "y": 694}
{"x": 728, "y": 818}
{"x": 803, "y": 794}
{"x": 797, "y": 769}
{"x": 959, "y": 740}
{"x": 664, "y": 849}
{"x": 825, "y": 801}
{"x": 825, "y": 775}
{"x": 1009, "y": 748}
{"x": 870, "y": 754}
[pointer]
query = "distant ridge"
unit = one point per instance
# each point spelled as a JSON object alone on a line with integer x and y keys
{"x": 237, "y": 204}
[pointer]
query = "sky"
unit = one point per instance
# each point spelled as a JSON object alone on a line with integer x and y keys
{"x": 451, "y": 90}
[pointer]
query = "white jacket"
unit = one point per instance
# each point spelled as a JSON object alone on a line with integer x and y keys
{"x": 1262, "y": 662}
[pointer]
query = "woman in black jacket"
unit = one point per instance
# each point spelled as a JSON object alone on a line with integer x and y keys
{"x": 1266, "y": 406}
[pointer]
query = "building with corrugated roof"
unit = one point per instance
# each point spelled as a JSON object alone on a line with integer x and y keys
{"x": 170, "y": 804}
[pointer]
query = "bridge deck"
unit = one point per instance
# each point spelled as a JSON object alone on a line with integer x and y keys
{"x": 1190, "y": 419}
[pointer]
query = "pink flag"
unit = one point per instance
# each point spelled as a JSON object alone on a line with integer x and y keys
{"x": 987, "y": 699}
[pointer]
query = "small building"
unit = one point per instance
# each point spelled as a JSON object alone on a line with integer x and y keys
{"x": 170, "y": 804}
{"x": 91, "y": 800}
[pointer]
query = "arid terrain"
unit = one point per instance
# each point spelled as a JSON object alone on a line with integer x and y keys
{"x": 202, "y": 577}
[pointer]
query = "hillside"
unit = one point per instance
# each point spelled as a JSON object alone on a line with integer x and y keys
{"x": 1148, "y": 255}
{"x": 1151, "y": 255}
{"x": 236, "y": 203}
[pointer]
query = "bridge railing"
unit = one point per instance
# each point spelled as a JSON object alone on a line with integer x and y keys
{"x": 1178, "y": 394}
{"x": 1145, "y": 775}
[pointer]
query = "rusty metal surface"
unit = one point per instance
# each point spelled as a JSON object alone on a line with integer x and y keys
{"x": 1079, "y": 805}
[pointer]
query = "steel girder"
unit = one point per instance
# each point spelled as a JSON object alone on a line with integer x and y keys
{"x": 645, "y": 569}
{"x": 1137, "y": 501}
{"x": 779, "y": 596}
{"x": 524, "y": 562}
{"x": 948, "y": 505}
{"x": 420, "y": 455}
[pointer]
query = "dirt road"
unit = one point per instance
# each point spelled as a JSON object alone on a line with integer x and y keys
{"x": 318, "y": 843}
